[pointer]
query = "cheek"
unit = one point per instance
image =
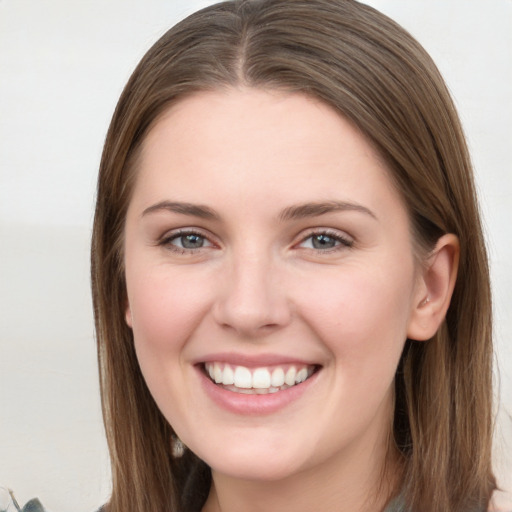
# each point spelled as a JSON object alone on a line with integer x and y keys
{"x": 166, "y": 307}
{"x": 361, "y": 318}
{"x": 361, "y": 312}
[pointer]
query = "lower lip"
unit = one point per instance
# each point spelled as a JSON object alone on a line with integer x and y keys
{"x": 245, "y": 404}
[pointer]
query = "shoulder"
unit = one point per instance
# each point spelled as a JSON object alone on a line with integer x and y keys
{"x": 501, "y": 501}
{"x": 34, "y": 505}
{"x": 397, "y": 505}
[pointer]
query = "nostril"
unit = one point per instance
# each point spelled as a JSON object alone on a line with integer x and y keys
{"x": 249, "y": 321}
{"x": 252, "y": 313}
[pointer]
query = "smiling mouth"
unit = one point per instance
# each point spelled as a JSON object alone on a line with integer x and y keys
{"x": 258, "y": 381}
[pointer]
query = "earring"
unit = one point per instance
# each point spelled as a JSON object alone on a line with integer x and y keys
{"x": 177, "y": 447}
{"x": 425, "y": 301}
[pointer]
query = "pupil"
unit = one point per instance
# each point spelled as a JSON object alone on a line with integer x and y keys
{"x": 323, "y": 242}
{"x": 192, "y": 241}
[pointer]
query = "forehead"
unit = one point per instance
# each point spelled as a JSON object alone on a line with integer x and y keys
{"x": 252, "y": 143}
{"x": 293, "y": 116}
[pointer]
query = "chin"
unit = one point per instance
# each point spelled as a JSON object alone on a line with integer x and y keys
{"x": 254, "y": 463}
{"x": 262, "y": 471}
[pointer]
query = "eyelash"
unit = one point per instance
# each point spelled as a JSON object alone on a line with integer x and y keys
{"x": 166, "y": 241}
{"x": 341, "y": 241}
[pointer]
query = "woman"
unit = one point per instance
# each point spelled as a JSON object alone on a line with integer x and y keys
{"x": 290, "y": 282}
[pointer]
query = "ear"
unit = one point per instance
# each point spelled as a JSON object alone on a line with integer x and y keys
{"x": 128, "y": 315}
{"x": 434, "y": 289}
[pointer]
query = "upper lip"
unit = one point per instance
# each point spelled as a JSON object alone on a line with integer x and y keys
{"x": 253, "y": 361}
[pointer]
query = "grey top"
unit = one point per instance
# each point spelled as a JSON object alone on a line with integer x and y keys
{"x": 396, "y": 505}
{"x": 35, "y": 506}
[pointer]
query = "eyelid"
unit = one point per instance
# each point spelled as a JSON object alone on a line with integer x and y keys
{"x": 345, "y": 240}
{"x": 169, "y": 236}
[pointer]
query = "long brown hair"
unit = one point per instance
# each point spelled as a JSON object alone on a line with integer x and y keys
{"x": 374, "y": 73}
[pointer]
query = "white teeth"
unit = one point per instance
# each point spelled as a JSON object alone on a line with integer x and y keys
{"x": 228, "y": 376}
{"x": 242, "y": 377}
{"x": 259, "y": 380}
{"x": 290, "y": 376}
{"x": 217, "y": 373}
{"x": 302, "y": 375}
{"x": 277, "y": 378}
{"x": 245, "y": 391}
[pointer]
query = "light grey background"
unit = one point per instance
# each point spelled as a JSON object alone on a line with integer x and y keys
{"x": 62, "y": 67}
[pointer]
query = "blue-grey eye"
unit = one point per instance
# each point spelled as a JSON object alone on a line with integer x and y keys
{"x": 190, "y": 241}
{"x": 323, "y": 241}
{"x": 185, "y": 241}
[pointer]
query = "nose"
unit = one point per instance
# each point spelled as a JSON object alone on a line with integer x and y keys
{"x": 252, "y": 300}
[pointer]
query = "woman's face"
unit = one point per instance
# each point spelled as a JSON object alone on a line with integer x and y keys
{"x": 267, "y": 247}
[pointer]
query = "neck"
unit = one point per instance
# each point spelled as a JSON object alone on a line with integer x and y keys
{"x": 362, "y": 481}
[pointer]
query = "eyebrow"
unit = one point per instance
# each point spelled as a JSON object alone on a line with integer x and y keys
{"x": 196, "y": 210}
{"x": 301, "y": 211}
{"x": 293, "y": 212}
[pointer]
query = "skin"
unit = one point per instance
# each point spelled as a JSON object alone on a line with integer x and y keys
{"x": 259, "y": 286}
